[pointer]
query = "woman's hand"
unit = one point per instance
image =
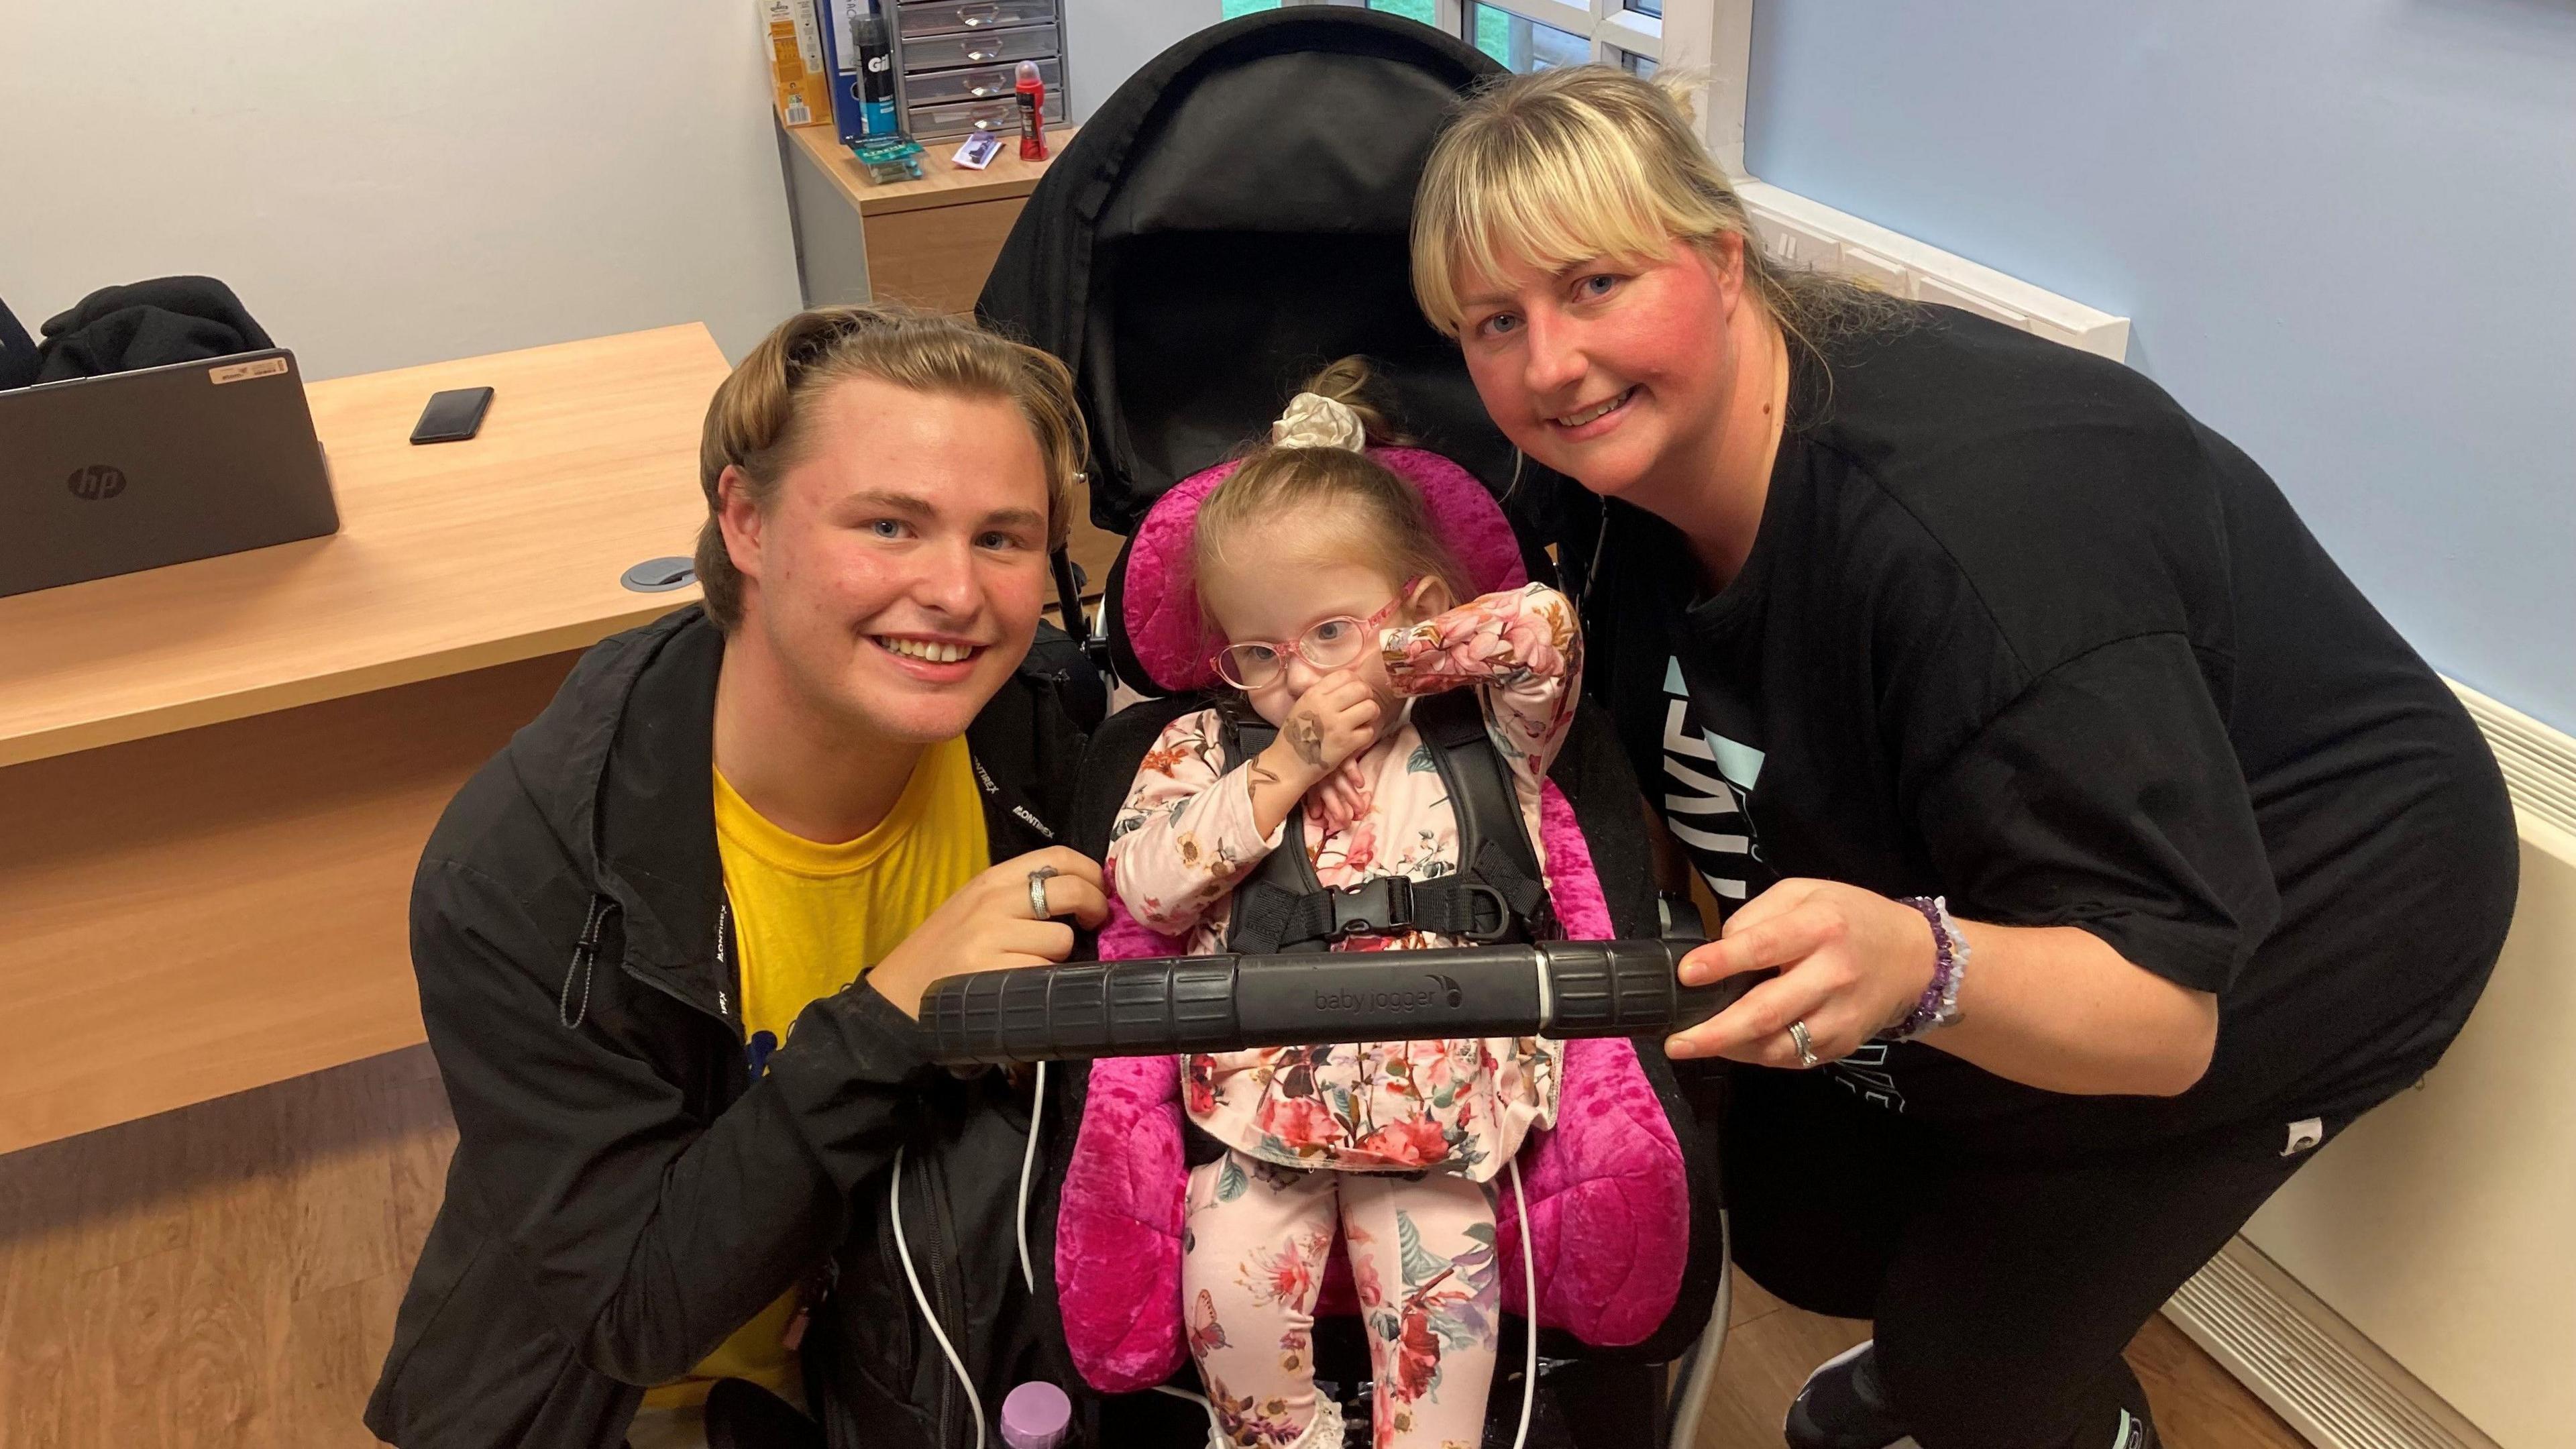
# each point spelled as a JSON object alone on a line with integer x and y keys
{"x": 2052, "y": 1007}
{"x": 988, "y": 926}
{"x": 1852, "y": 964}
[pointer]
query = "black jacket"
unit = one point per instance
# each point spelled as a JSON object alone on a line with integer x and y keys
{"x": 623, "y": 1196}
{"x": 146, "y": 324}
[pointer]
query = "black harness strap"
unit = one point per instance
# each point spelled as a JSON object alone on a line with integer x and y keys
{"x": 1497, "y": 895}
{"x": 1493, "y": 840}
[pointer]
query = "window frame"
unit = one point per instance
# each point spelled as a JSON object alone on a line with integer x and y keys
{"x": 1608, "y": 26}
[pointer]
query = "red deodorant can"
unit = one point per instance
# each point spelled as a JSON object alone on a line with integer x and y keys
{"x": 1031, "y": 90}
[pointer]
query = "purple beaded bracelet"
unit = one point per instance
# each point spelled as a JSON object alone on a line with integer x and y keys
{"x": 1939, "y": 1005}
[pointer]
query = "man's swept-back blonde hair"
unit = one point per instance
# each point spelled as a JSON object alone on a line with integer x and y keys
{"x": 758, "y": 420}
{"x": 1589, "y": 161}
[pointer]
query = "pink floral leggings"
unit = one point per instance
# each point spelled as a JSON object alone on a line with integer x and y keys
{"x": 1422, "y": 1257}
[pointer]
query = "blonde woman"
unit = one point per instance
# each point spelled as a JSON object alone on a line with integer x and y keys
{"x": 2111, "y": 852}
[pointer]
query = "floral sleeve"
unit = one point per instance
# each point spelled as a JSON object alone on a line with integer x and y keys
{"x": 1523, "y": 645}
{"x": 1186, "y": 833}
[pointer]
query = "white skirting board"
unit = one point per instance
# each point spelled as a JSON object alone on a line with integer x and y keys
{"x": 2415, "y": 1287}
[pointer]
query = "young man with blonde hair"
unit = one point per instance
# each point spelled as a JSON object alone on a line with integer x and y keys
{"x": 670, "y": 940}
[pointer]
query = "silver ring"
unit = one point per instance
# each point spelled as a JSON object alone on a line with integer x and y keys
{"x": 1806, "y": 1050}
{"x": 1038, "y": 878}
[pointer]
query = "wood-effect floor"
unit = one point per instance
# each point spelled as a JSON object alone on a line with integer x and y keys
{"x": 226, "y": 1275}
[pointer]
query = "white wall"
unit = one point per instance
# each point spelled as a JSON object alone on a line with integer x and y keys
{"x": 388, "y": 182}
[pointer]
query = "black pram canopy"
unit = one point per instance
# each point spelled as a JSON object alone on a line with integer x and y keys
{"x": 1232, "y": 218}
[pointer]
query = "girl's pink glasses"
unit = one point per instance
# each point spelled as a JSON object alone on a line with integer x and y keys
{"x": 1331, "y": 644}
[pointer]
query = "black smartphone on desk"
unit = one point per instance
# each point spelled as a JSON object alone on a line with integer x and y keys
{"x": 452, "y": 416}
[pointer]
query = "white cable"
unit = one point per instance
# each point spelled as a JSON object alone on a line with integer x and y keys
{"x": 1712, "y": 1343}
{"x": 1529, "y": 1302}
{"x": 1028, "y": 1274}
{"x": 1216, "y": 1430}
{"x": 1028, "y": 1163}
{"x": 894, "y": 1204}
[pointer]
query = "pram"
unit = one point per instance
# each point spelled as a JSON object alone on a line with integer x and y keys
{"x": 1232, "y": 217}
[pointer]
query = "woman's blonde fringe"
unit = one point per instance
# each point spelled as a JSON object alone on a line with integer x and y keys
{"x": 1586, "y": 162}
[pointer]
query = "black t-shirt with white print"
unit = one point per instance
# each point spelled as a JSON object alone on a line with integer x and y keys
{"x": 2016, "y": 630}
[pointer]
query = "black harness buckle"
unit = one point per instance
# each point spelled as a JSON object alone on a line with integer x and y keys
{"x": 1381, "y": 907}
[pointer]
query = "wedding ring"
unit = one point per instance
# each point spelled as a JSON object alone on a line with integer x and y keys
{"x": 1806, "y": 1050}
{"x": 1038, "y": 878}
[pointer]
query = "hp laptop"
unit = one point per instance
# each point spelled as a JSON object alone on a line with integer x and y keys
{"x": 133, "y": 470}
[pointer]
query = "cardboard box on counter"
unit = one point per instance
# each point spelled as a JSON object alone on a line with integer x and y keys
{"x": 796, "y": 67}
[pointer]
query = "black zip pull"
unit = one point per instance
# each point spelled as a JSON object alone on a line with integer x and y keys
{"x": 585, "y": 956}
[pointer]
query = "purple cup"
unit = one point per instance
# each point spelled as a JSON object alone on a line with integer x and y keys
{"x": 1037, "y": 1415}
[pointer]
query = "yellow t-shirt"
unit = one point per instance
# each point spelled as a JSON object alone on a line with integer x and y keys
{"x": 809, "y": 919}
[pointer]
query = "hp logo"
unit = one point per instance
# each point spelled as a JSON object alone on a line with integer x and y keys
{"x": 96, "y": 482}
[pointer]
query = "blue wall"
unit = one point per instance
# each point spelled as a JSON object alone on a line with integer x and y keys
{"x": 2346, "y": 231}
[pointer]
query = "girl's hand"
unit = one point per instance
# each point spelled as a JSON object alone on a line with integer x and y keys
{"x": 1852, "y": 963}
{"x": 1333, "y": 721}
{"x": 1343, "y": 797}
{"x": 989, "y": 925}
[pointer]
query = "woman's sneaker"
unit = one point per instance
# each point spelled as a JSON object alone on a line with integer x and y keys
{"x": 1841, "y": 1407}
{"x": 2133, "y": 1432}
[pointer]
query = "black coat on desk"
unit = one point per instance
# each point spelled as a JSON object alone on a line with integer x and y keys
{"x": 17, "y": 351}
{"x": 146, "y": 324}
{"x": 624, "y": 1195}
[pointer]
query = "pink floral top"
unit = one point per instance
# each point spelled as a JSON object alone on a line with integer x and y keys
{"x": 1186, "y": 835}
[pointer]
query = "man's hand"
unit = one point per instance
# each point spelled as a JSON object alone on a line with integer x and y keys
{"x": 987, "y": 926}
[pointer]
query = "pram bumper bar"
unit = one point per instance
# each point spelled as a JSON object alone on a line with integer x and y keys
{"x": 1561, "y": 989}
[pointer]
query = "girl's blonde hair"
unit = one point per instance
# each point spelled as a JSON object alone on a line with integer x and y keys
{"x": 757, "y": 422}
{"x": 1589, "y": 161}
{"x": 1370, "y": 514}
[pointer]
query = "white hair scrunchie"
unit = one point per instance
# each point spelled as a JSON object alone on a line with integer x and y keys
{"x": 1316, "y": 421}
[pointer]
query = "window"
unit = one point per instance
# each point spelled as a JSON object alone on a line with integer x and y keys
{"x": 1426, "y": 11}
{"x": 1525, "y": 45}
{"x": 1527, "y": 35}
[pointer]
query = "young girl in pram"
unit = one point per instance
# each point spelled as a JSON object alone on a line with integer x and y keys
{"x": 1338, "y": 606}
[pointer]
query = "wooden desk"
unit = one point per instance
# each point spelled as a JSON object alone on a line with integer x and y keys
{"x": 930, "y": 242}
{"x": 215, "y": 778}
